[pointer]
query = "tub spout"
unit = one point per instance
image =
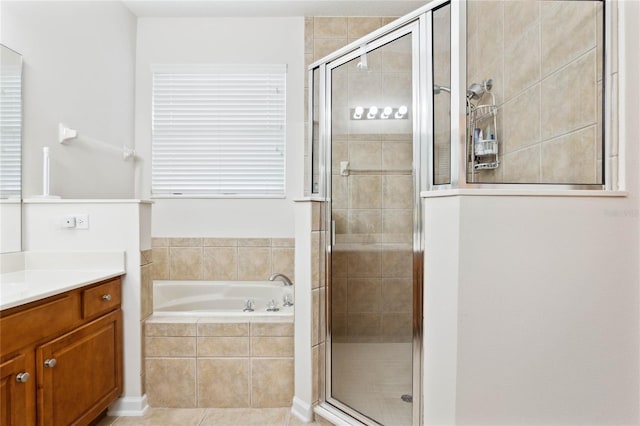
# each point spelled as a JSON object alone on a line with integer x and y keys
{"x": 283, "y": 277}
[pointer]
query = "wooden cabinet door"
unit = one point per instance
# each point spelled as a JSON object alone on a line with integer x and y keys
{"x": 80, "y": 373}
{"x": 16, "y": 391}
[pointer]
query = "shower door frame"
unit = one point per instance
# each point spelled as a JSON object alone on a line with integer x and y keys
{"x": 419, "y": 25}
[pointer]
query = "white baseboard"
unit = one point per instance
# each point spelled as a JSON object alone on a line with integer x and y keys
{"x": 302, "y": 410}
{"x": 129, "y": 406}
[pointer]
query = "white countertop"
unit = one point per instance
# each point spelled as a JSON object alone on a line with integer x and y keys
{"x": 18, "y": 288}
{"x": 30, "y": 276}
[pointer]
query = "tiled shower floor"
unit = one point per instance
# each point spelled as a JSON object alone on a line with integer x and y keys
{"x": 209, "y": 416}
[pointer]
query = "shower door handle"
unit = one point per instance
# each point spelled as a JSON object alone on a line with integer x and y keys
{"x": 333, "y": 232}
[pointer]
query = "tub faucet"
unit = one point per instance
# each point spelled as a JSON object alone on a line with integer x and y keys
{"x": 283, "y": 277}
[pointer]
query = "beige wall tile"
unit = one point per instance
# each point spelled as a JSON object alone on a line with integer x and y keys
{"x": 315, "y": 316}
{"x": 324, "y": 46}
{"x": 339, "y": 153}
{"x": 160, "y": 268}
{"x": 308, "y": 35}
{"x": 283, "y": 242}
{"x": 315, "y": 364}
{"x": 254, "y": 263}
{"x": 397, "y": 263}
{"x": 361, "y": 26}
{"x": 220, "y": 242}
{"x": 339, "y": 263}
{"x": 272, "y": 329}
{"x": 365, "y": 192}
{"x": 340, "y": 192}
{"x": 362, "y": 221}
{"x": 397, "y": 55}
{"x": 338, "y": 325}
{"x": 272, "y": 346}
{"x": 564, "y": 95}
{"x": 146, "y": 257}
{"x": 398, "y": 327}
{"x": 171, "y": 382}
{"x": 146, "y": 291}
{"x": 518, "y": 15}
{"x": 159, "y": 242}
{"x": 522, "y": 120}
{"x": 397, "y": 221}
{"x": 315, "y": 259}
{"x": 223, "y": 346}
{"x": 522, "y": 166}
{"x": 330, "y": 27}
{"x": 170, "y": 347}
{"x": 339, "y": 295}
{"x": 364, "y": 324}
{"x": 397, "y": 155}
{"x": 185, "y": 263}
{"x": 220, "y": 263}
{"x": 321, "y": 370}
{"x": 223, "y": 382}
{"x": 254, "y": 242}
{"x": 397, "y": 295}
{"x": 397, "y": 89}
{"x": 221, "y": 329}
{"x": 365, "y": 155}
{"x": 568, "y": 31}
{"x": 170, "y": 329}
{"x": 364, "y": 295}
{"x": 397, "y": 192}
{"x": 271, "y": 382}
{"x": 487, "y": 60}
{"x": 282, "y": 260}
{"x": 364, "y": 264}
{"x": 521, "y": 61}
{"x": 571, "y": 158}
{"x": 323, "y": 315}
{"x": 185, "y": 242}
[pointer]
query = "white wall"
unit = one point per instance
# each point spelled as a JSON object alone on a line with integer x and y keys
{"x": 113, "y": 225}
{"x": 222, "y": 41}
{"x": 78, "y": 69}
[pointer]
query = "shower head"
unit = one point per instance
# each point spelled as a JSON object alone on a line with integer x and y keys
{"x": 475, "y": 91}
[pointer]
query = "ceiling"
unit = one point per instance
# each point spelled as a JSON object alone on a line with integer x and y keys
{"x": 270, "y": 8}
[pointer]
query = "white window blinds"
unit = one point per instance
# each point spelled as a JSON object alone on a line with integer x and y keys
{"x": 11, "y": 129}
{"x": 218, "y": 130}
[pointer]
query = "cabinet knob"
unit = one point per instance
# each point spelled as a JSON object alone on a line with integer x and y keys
{"x": 23, "y": 377}
{"x": 106, "y": 297}
{"x": 50, "y": 363}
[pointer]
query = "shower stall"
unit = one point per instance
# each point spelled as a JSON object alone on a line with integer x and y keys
{"x": 439, "y": 99}
{"x": 370, "y": 112}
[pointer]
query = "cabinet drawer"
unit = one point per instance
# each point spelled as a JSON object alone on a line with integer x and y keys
{"x": 101, "y": 298}
{"x": 32, "y": 324}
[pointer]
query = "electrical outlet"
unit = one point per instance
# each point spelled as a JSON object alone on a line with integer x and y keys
{"x": 69, "y": 222}
{"x": 82, "y": 221}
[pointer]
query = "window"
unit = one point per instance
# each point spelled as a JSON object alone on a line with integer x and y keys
{"x": 218, "y": 131}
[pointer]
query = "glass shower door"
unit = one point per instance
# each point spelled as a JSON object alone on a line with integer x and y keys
{"x": 373, "y": 201}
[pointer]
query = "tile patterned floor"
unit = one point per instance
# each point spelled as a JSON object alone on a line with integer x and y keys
{"x": 209, "y": 417}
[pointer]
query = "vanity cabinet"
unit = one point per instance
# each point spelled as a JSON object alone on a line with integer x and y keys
{"x": 61, "y": 357}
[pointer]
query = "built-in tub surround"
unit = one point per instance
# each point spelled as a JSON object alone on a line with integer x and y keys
{"x": 31, "y": 276}
{"x": 234, "y": 259}
{"x": 219, "y": 363}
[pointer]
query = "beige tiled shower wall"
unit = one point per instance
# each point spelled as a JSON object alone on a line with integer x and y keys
{"x": 324, "y": 35}
{"x": 200, "y": 363}
{"x": 545, "y": 59}
{"x": 231, "y": 259}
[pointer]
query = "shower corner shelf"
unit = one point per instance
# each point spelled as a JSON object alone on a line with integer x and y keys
{"x": 484, "y": 152}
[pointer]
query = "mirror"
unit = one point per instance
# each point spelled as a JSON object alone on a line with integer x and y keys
{"x": 10, "y": 150}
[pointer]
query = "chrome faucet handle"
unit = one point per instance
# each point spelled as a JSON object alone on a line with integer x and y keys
{"x": 272, "y": 306}
{"x": 249, "y": 305}
{"x": 287, "y": 300}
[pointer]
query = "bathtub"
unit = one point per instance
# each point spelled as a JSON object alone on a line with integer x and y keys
{"x": 219, "y": 299}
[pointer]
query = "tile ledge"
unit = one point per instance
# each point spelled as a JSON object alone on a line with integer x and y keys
{"x": 522, "y": 193}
